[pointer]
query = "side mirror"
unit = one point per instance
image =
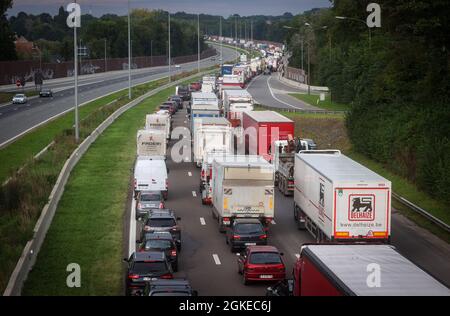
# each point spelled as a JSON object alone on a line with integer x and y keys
{"x": 178, "y": 218}
{"x": 281, "y": 254}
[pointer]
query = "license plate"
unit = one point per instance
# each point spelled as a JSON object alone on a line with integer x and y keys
{"x": 266, "y": 276}
{"x": 250, "y": 244}
{"x": 147, "y": 279}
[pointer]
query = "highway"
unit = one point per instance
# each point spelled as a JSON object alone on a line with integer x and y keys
{"x": 210, "y": 266}
{"x": 15, "y": 120}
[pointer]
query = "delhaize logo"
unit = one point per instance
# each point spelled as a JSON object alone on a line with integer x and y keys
{"x": 361, "y": 207}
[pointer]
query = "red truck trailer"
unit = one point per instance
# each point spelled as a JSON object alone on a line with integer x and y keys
{"x": 262, "y": 129}
{"x": 360, "y": 270}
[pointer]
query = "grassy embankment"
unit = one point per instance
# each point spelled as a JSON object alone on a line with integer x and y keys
{"x": 314, "y": 100}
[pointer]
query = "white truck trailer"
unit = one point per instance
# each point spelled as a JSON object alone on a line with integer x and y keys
{"x": 209, "y": 84}
{"x": 242, "y": 188}
{"x": 151, "y": 142}
{"x": 235, "y": 103}
{"x": 159, "y": 121}
{"x": 203, "y": 105}
{"x": 336, "y": 199}
{"x": 211, "y": 134}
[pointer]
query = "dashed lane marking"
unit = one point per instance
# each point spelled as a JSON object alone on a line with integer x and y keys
{"x": 202, "y": 221}
{"x": 194, "y": 194}
{"x": 273, "y": 222}
{"x": 297, "y": 255}
{"x": 216, "y": 259}
{"x": 190, "y": 174}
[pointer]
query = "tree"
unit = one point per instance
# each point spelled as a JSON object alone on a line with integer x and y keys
{"x": 8, "y": 51}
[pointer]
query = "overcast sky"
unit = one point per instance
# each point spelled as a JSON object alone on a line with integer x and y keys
{"x": 215, "y": 7}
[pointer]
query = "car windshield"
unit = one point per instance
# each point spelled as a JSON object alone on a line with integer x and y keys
{"x": 149, "y": 267}
{"x": 265, "y": 258}
{"x": 158, "y": 244}
{"x": 150, "y": 197}
{"x": 170, "y": 294}
{"x": 161, "y": 222}
{"x": 248, "y": 228}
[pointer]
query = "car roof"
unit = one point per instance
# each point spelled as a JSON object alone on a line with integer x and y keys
{"x": 150, "y": 236}
{"x": 247, "y": 221}
{"x": 153, "y": 215}
{"x": 253, "y": 249}
{"x": 149, "y": 255}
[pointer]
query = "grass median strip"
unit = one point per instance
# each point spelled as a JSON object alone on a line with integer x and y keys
{"x": 314, "y": 100}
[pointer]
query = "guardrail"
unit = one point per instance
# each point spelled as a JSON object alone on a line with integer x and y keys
{"x": 421, "y": 211}
{"x": 32, "y": 248}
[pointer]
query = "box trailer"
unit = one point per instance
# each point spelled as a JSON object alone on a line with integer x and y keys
{"x": 233, "y": 80}
{"x": 337, "y": 199}
{"x": 242, "y": 188}
{"x": 151, "y": 142}
{"x": 360, "y": 270}
{"x": 160, "y": 121}
{"x": 211, "y": 134}
{"x": 203, "y": 105}
{"x": 262, "y": 129}
{"x": 235, "y": 103}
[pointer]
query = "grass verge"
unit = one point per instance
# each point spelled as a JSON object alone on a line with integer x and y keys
{"x": 314, "y": 100}
{"x": 329, "y": 131}
{"x": 88, "y": 226}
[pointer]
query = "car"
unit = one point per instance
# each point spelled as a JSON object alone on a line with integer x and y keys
{"x": 178, "y": 100}
{"x": 19, "y": 99}
{"x": 261, "y": 263}
{"x": 213, "y": 58}
{"x": 174, "y": 287}
{"x": 177, "y": 66}
{"x": 183, "y": 93}
{"x": 172, "y": 106}
{"x": 162, "y": 220}
{"x": 143, "y": 267}
{"x": 267, "y": 72}
{"x": 195, "y": 86}
{"x": 245, "y": 232}
{"x": 148, "y": 200}
{"x": 161, "y": 241}
{"x": 46, "y": 93}
{"x": 282, "y": 288}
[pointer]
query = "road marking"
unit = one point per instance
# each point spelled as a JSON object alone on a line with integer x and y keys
{"x": 202, "y": 221}
{"x": 132, "y": 239}
{"x": 281, "y": 101}
{"x": 194, "y": 194}
{"x": 297, "y": 255}
{"x": 15, "y": 109}
{"x": 273, "y": 222}
{"x": 190, "y": 174}
{"x": 185, "y": 122}
{"x": 216, "y": 259}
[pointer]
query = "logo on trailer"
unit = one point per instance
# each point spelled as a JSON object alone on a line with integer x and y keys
{"x": 361, "y": 207}
{"x": 322, "y": 195}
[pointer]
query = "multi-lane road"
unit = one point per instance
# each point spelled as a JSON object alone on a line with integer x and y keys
{"x": 207, "y": 261}
{"x": 15, "y": 120}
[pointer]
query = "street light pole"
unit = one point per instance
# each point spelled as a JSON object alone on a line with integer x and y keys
{"x": 170, "y": 57}
{"x": 151, "y": 53}
{"x": 198, "y": 42}
{"x": 75, "y": 66}
{"x": 221, "y": 43}
{"x": 106, "y": 66}
{"x": 129, "y": 52}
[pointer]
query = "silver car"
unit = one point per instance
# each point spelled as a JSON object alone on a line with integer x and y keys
{"x": 148, "y": 200}
{"x": 19, "y": 99}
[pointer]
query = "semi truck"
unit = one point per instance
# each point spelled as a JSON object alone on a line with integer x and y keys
{"x": 233, "y": 80}
{"x": 242, "y": 188}
{"x": 360, "y": 270}
{"x": 226, "y": 70}
{"x": 262, "y": 129}
{"x": 151, "y": 142}
{"x": 235, "y": 103}
{"x": 284, "y": 160}
{"x": 338, "y": 200}
{"x": 160, "y": 121}
{"x": 211, "y": 134}
{"x": 203, "y": 105}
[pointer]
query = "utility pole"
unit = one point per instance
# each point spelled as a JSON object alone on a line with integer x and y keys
{"x": 221, "y": 43}
{"x": 129, "y": 52}
{"x": 236, "y": 34}
{"x": 170, "y": 57}
{"x": 198, "y": 42}
{"x": 106, "y": 66}
{"x": 75, "y": 66}
{"x": 151, "y": 53}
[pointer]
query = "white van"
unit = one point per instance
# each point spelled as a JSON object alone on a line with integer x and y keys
{"x": 151, "y": 174}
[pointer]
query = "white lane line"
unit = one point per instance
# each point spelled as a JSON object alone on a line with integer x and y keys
{"x": 194, "y": 194}
{"x": 202, "y": 221}
{"x": 190, "y": 174}
{"x": 216, "y": 259}
{"x": 297, "y": 255}
{"x": 281, "y": 101}
{"x": 132, "y": 239}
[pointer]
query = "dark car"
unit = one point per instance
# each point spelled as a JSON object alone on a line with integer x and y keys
{"x": 46, "y": 93}
{"x": 178, "y": 100}
{"x": 282, "y": 288}
{"x": 143, "y": 267}
{"x": 261, "y": 263}
{"x": 172, "y": 106}
{"x": 174, "y": 287}
{"x": 245, "y": 232}
{"x": 148, "y": 200}
{"x": 183, "y": 93}
{"x": 162, "y": 220}
{"x": 161, "y": 241}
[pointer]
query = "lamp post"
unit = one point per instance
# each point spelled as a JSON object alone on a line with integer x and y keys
{"x": 221, "y": 43}
{"x": 198, "y": 42}
{"x": 106, "y": 65}
{"x": 361, "y": 21}
{"x": 129, "y": 52}
{"x": 170, "y": 57}
{"x": 151, "y": 53}
{"x": 302, "y": 40}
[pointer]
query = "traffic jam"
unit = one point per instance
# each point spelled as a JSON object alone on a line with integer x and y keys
{"x": 244, "y": 154}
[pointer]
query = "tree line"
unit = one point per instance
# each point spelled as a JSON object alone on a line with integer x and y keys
{"x": 396, "y": 79}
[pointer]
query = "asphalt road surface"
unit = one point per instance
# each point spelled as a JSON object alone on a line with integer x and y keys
{"x": 16, "y": 119}
{"x": 210, "y": 266}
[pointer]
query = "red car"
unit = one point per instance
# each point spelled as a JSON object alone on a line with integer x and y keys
{"x": 196, "y": 86}
{"x": 261, "y": 263}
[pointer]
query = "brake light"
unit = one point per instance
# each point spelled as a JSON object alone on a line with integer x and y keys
{"x": 133, "y": 276}
{"x": 135, "y": 183}
{"x": 167, "y": 183}
{"x": 175, "y": 228}
{"x": 263, "y": 236}
{"x": 161, "y": 205}
{"x": 166, "y": 276}
{"x": 203, "y": 173}
{"x": 236, "y": 237}
{"x": 173, "y": 253}
{"x": 147, "y": 228}
{"x": 139, "y": 205}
